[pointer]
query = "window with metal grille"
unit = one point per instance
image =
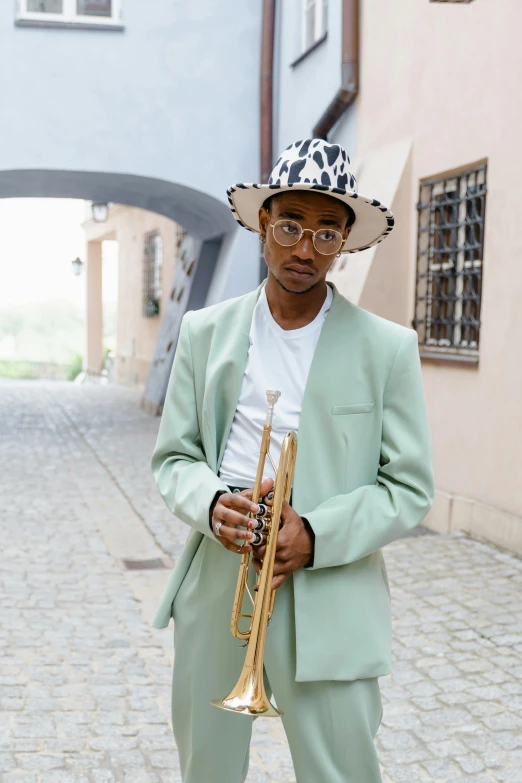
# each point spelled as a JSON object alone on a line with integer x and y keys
{"x": 450, "y": 249}
{"x": 152, "y": 260}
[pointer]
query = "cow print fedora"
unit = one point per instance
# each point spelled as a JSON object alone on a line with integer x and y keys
{"x": 314, "y": 164}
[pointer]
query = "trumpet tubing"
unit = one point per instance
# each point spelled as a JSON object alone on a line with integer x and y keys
{"x": 248, "y": 697}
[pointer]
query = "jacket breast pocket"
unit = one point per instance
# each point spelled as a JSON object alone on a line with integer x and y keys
{"x": 356, "y": 407}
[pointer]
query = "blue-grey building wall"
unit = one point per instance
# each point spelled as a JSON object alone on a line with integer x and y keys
{"x": 174, "y": 97}
{"x": 304, "y": 90}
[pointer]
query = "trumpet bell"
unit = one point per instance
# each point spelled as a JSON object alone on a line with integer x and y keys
{"x": 244, "y": 706}
{"x": 248, "y": 697}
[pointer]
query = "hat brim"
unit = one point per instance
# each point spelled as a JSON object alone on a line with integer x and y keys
{"x": 373, "y": 221}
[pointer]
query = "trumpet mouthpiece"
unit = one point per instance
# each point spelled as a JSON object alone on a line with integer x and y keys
{"x": 272, "y": 396}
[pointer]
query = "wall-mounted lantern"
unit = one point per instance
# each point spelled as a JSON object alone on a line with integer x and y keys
{"x": 77, "y": 266}
{"x": 100, "y": 212}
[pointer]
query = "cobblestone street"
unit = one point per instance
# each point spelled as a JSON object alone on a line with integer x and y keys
{"x": 85, "y": 679}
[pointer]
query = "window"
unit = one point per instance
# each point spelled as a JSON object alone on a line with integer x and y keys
{"x": 101, "y": 8}
{"x": 313, "y": 23}
{"x": 76, "y": 13}
{"x": 449, "y": 264}
{"x": 152, "y": 259}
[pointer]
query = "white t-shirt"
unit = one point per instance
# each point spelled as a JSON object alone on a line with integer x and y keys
{"x": 278, "y": 359}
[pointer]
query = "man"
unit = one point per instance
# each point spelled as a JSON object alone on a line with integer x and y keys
{"x": 351, "y": 385}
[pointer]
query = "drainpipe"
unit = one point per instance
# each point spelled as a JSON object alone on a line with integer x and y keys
{"x": 267, "y": 89}
{"x": 349, "y": 88}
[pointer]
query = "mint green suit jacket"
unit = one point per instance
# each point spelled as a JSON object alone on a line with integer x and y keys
{"x": 363, "y": 473}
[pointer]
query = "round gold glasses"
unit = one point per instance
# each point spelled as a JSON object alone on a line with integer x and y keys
{"x": 288, "y": 232}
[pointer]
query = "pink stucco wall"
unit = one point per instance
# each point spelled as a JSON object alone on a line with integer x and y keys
{"x": 442, "y": 80}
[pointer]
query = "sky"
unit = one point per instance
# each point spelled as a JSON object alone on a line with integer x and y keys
{"x": 38, "y": 240}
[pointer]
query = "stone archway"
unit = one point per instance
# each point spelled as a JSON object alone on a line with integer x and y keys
{"x": 205, "y": 220}
{"x": 201, "y": 215}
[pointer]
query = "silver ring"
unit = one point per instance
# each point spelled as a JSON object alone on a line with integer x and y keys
{"x": 217, "y": 528}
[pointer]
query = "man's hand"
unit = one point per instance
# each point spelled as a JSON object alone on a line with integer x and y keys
{"x": 295, "y": 545}
{"x": 231, "y": 509}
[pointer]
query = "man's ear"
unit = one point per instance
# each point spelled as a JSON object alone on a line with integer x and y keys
{"x": 264, "y": 220}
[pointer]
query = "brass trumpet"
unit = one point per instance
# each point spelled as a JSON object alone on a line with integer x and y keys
{"x": 248, "y": 697}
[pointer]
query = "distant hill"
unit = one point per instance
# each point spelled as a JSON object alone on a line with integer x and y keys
{"x": 52, "y": 330}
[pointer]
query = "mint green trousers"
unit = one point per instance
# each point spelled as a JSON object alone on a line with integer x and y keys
{"x": 330, "y": 725}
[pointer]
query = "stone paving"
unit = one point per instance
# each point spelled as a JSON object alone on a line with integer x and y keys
{"x": 85, "y": 680}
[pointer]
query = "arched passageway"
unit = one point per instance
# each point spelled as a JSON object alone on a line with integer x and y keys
{"x": 208, "y": 226}
{"x": 200, "y": 214}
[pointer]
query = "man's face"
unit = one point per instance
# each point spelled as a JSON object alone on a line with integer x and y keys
{"x": 301, "y": 267}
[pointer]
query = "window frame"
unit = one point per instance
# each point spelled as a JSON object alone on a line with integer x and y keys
{"x": 320, "y": 24}
{"x": 447, "y": 250}
{"x": 152, "y": 289}
{"x": 69, "y": 17}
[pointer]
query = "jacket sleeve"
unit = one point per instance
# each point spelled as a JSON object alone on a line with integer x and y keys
{"x": 348, "y": 527}
{"x": 179, "y": 466}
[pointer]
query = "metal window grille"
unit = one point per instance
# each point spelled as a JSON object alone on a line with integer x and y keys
{"x": 450, "y": 249}
{"x": 152, "y": 261}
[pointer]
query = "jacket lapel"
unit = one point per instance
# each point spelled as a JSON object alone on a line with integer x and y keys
{"x": 330, "y": 382}
{"x": 225, "y": 374}
{"x": 325, "y": 372}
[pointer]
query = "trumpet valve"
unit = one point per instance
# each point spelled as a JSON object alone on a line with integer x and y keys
{"x": 257, "y": 538}
{"x": 261, "y": 520}
{"x": 264, "y": 511}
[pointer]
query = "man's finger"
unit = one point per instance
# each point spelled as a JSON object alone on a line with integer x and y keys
{"x": 286, "y": 509}
{"x": 266, "y": 486}
{"x": 230, "y": 517}
{"x": 238, "y": 501}
{"x": 277, "y": 581}
{"x": 232, "y": 547}
{"x": 257, "y": 565}
{"x": 231, "y": 533}
{"x": 281, "y": 567}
